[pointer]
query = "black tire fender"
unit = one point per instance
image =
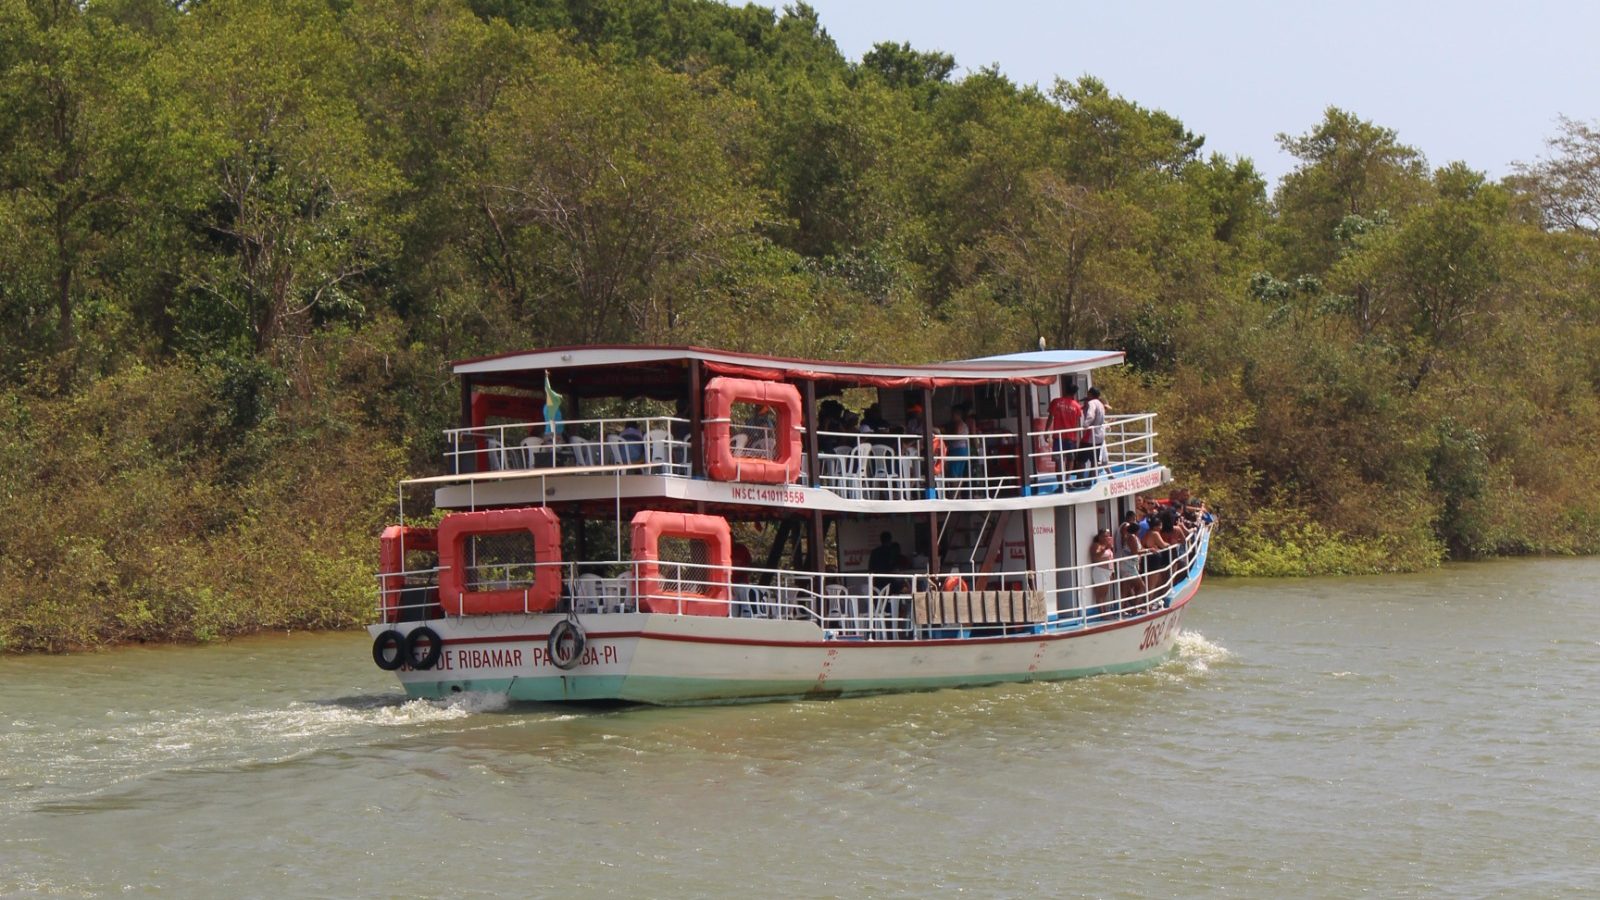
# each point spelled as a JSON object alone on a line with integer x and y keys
{"x": 429, "y": 657}
{"x": 384, "y": 644}
{"x": 565, "y": 644}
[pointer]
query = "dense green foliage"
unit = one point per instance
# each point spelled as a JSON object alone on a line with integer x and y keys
{"x": 239, "y": 240}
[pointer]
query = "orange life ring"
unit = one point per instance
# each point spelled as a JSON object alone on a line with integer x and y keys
{"x": 721, "y": 395}
{"x": 543, "y": 595}
{"x": 396, "y": 542}
{"x": 712, "y": 599}
{"x": 954, "y": 582}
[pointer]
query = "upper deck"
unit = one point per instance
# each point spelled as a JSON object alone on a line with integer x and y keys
{"x": 721, "y": 427}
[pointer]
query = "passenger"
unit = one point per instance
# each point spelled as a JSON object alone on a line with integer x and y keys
{"x": 1129, "y": 550}
{"x": 885, "y": 558}
{"x": 914, "y": 419}
{"x": 761, "y": 426}
{"x": 1173, "y": 532}
{"x": 872, "y": 418}
{"x": 1065, "y": 418}
{"x": 1154, "y": 560}
{"x": 633, "y": 442}
{"x": 1094, "y": 434}
{"x": 1101, "y": 557}
{"x": 956, "y": 443}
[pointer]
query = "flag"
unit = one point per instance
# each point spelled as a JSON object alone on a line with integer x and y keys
{"x": 552, "y": 409}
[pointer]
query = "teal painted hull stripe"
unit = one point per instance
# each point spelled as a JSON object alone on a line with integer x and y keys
{"x": 660, "y": 689}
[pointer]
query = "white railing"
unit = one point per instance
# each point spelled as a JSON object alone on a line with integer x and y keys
{"x": 660, "y": 440}
{"x": 756, "y": 441}
{"x": 870, "y": 466}
{"x": 847, "y": 606}
{"x": 1129, "y": 446}
{"x": 979, "y": 466}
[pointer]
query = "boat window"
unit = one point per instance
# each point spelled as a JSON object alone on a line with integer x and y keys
{"x": 684, "y": 563}
{"x": 500, "y": 561}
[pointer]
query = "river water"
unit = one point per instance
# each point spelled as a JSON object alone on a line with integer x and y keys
{"x": 1423, "y": 735}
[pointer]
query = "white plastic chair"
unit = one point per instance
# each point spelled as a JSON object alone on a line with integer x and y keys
{"x": 530, "y": 451}
{"x": 586, "y": 595}
{"x": 881, "y": 477}
{"x": 737, "y": 442}
{"x": 836, "y": 606}
{"x": 659, "y": 451}
{"x": 860, "y": 469}
{"x": 882, "y": 606}
{"x": 494, "y": 453}
{"x": 582, "y": 450}
{"x": 616, "y": 449}
{"x": 614, "y": 594}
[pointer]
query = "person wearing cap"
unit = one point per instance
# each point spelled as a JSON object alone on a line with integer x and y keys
{"x": 914, "y": 419}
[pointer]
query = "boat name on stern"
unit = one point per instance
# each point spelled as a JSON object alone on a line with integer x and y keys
{"x": 1159, "y": 630}
{"x": 458, "y": 658}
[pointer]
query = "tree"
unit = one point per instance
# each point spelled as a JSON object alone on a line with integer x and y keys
{"x": 1348, "y": 167}
{"x": 71, "y": 132}
{"x": 284, "y": 190}
{"x": 1567, "y": 184}
{"x": 1072, "y": 257}
{"x": 602, "y": 198}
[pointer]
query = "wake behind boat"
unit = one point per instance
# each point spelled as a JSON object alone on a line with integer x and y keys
{"x": 683, "y": 525}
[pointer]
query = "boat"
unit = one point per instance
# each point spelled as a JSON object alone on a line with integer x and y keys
{"x": 681, "y": 525}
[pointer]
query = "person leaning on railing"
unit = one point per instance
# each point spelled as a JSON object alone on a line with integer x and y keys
{"x": 1102, "y": 555}
{"x": 1155, "y": 562}
{"x": 1129, "y": 551}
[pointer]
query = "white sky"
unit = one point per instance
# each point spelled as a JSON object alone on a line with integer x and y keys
{"x": 1470, "y": 80}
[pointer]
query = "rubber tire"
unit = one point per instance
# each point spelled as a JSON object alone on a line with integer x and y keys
{"x": 578, "y": 642}
{"x": 380, "y": 644}
{"x": 435, "y": 648}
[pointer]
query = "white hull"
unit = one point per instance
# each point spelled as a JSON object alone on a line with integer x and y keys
{"x": 648, "y": 658}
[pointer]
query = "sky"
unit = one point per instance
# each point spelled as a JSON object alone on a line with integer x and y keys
{"x": 1472, "y": 81}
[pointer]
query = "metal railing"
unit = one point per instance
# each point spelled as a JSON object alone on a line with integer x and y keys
{"x": 661, "y": 441}
{"x": 853, "y": 465}
{"x": 1128, "y": 445}
{"x": 847, "y": 606}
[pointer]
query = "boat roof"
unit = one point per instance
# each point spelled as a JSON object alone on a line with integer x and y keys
{"x": 1038, "y": 366}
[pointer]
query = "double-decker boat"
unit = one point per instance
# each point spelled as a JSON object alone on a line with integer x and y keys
{"x": 681, "y": 525}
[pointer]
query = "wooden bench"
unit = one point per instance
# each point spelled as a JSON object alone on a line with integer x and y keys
{"x": 958, "y": 608}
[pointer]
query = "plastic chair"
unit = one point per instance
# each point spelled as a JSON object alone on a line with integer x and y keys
{"x": 660, "y": 453}
{"x": 616, "y": 448}
{"x": 614, "y": 594}
{"x": 582, "y": 450}
{"x": 881, "y": 478}
{"x": 530, "y": 452}
{"x": 494, "y": 453}
{"x": 882, "y": 605}
{"x": 836, "y": 606}
{"x": 856, "y": 470}
{"x": 586, "y": 594}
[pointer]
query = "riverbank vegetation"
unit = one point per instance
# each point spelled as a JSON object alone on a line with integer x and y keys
{"x": 240, "y": 240}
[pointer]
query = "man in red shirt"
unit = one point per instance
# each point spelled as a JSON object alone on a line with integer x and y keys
{"x": 1066, "y": 417}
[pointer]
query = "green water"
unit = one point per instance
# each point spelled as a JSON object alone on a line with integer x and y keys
{"x": 1430, "y": 735}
